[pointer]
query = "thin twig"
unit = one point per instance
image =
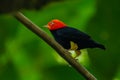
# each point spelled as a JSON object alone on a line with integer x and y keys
{"x": 59, "y": 49}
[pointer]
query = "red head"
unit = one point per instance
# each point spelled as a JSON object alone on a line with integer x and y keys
{"x": 55, "y": 24}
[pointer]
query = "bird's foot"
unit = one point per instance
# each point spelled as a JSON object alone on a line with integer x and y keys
{"x": 77, "y": 53}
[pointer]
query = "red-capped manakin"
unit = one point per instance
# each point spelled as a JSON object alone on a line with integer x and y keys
{"x": 71, "y": 38}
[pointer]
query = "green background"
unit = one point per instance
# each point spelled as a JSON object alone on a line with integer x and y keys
{"x": 25, "y": 56}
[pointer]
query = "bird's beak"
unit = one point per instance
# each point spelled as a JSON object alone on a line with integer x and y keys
{"x": 46, "y": 26}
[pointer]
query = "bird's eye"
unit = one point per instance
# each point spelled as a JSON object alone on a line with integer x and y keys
{"x": 51, "y": 23}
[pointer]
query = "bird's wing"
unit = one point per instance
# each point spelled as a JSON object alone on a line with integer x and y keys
{"x": 72, "y": 34}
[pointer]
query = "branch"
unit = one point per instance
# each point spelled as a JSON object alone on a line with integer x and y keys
{"x": 59, "y": 49}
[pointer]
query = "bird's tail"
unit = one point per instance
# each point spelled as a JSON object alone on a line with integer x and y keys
{"x": 98, "y": 45}
{"x": 101, "y": 46}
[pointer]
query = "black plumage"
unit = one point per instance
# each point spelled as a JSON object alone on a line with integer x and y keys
{"x": 64, "y": 35}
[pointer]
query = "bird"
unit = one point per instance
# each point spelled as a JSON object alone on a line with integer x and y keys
{"x": 71, "y": 38}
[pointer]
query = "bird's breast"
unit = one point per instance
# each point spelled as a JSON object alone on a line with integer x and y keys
{"x": 64, "y": 43}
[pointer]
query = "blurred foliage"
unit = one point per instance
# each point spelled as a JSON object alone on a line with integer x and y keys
{"x": 24, "y": 56}
{"x": 8, "y": 6}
